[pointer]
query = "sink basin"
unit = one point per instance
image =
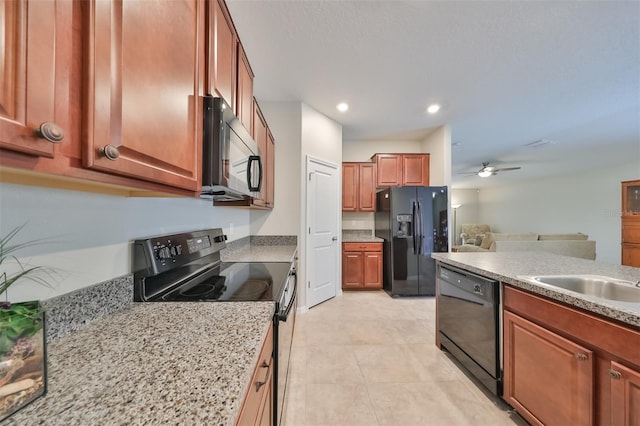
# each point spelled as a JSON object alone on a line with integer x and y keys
{"x": 593, "y": 285}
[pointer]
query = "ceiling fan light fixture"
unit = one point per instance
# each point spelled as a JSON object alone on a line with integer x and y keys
{"x": 485, "y": 173}
{"x": 342, "y": 106}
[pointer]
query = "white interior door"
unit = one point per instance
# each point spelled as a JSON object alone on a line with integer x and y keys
{"x": 323, "y": 218}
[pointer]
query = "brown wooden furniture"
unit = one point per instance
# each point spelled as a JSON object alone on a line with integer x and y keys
{"x": 222, "y": 46}
{"x": 631, "y": 223}
{"x": 257, "y": 408}
{"x": 566, "y": 366}
{"x": 358, "y": 187}
{"x": 402, "y": 169}
{"x": 361, "y": 266}
{"x": 244, "y": 100}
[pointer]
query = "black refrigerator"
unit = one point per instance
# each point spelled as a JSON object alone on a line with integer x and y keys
{"x": 413, "y": 223}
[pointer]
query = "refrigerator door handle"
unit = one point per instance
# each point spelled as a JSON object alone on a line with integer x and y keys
{"x": 420, "y": 229}
{"x": 415, "y": 228}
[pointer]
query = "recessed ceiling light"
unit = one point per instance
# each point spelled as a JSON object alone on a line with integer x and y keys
{"x": 342, "y": 106}
{"x": 433, "y": 108}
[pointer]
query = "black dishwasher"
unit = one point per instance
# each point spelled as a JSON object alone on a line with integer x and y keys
{"x": 469, "y": 323}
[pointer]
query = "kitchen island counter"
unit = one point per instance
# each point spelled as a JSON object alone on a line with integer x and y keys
{"x": 508, "y": 267}
{"x": 152, "y": 364}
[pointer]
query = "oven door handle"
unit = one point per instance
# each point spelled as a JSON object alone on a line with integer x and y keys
{"x": 292, "y": 302}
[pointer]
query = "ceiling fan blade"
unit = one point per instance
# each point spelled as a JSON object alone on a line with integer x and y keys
{"x": 467, "y": 173}
{"x": 506, "y": 169}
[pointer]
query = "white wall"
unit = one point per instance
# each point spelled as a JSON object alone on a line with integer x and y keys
{"x": 285, "y": 123}
{"x": 438, "y": 144}
{"x": 589, "y": 202}
{"x": 88, "y": 236}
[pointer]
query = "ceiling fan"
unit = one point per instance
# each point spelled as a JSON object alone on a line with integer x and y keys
{"x": 488, "y": 170}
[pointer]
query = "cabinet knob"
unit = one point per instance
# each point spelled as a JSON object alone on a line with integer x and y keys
{"x": 51, "y": 132}
{"x": 581, "y": 356}
{"x": 110, "y": 152}
{"x": 616, "y": 375}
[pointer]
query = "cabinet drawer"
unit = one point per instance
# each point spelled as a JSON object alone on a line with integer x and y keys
{"x": 362, "y": 247}
{"x": 259, "y": 385}
{"x": 630, "y": 232}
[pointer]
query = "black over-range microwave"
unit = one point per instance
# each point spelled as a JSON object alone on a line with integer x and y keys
{"x": 231, "y": 165}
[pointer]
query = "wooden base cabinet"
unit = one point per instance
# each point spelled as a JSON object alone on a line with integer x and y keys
{"x": 258, "y": 401}
{"x": 548, "y": 379}
{"x": 565, "y": 366}
{"x": 361, "y": 266}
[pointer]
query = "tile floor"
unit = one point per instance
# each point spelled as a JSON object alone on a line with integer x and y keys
{"x": 364, "y": 358}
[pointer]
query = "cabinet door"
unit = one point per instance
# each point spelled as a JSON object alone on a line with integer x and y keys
{"x": 352, "y": 270}
{"x": 631, "y": 199}
{"x": 373, "y": 269}
{"x": 547, "y": 378}
{"x": 389, "y": 170}
{"x": 244, "y": 100}
{"x": 144, "y": 80}
{"x": 367, "y": 187}
{"x": 271, "y": 169}
{"x": 35, "y": 52}
{"x": 260, "y": 136}
{"x": 631, "y": 255}
{"x": 350, "y": 179}
{"x": 625, "y": 395}
{"x": 222, "y": 41}
{"x": 415, "y": 169}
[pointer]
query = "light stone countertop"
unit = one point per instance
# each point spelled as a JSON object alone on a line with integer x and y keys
{"x": 508, "y": 267}
{"x": 359, "y": 236}
{"x": 260, "y": 253}
{"x": 154, "y": 364}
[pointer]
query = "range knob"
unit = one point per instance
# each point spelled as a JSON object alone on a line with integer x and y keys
{"x": 220, "y": 238}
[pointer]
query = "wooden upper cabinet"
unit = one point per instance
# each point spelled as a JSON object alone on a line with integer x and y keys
{"x": 260, "y": 136}
{"x": 35, "y": 57}
{"x": 358, "y": 187}
{"x": 389, "y": 169}
{"x": 145, "y": 78}
{"x": 631, "y": 223}
{"x": 415, "y": 169}
{"x": 244, "y": 100}
{"x": 222, "y": 42}
{"x": 402, "y": 169}
{"x": 270, "y": 169}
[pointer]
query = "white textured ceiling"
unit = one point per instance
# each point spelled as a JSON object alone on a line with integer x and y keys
{"x": 507, "y": 73}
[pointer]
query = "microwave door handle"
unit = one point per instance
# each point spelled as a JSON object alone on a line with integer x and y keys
{"x": 254, "y": 188}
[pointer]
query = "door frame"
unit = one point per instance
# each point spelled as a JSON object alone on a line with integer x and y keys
{"x": 307, "y": 223}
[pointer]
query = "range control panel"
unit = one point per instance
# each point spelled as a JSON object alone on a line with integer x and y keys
{"x": 159, "y": 254}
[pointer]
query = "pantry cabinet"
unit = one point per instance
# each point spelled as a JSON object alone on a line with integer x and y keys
{"x": 402, "y": 169}
{"x": 361, "y": 266}
{"x": 566, "y": 366}
{"x": 257, "y": 406}
{"x": 35, "y": 58}
{"x": 222, "y": 42}
{"x": 631, "y": 223}
{"x": 358, "y": 187}
{"x": 143, "y": 108}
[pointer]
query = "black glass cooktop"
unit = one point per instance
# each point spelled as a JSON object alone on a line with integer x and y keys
{"x": 231, "y": 282}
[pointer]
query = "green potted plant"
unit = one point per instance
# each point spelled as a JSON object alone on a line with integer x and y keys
{"x": 22, "y": 333}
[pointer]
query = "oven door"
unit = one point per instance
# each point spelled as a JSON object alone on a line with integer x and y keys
{"x": 284, "y": 322}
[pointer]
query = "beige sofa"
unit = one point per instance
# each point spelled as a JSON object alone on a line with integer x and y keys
{"x": 574, "y": 245}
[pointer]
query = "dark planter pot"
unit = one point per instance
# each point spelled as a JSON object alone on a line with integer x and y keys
{"x": 23, "y": 364}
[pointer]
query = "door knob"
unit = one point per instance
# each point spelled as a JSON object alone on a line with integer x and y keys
{"x": 334, "y": 239}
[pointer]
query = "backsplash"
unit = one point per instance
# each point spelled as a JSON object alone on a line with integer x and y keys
{"x": 70, "y": 312}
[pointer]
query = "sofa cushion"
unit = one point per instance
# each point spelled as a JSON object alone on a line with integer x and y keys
{"x": 576, "y": 236}
{"x": 490, "y": 237}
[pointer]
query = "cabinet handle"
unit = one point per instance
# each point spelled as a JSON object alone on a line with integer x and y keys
{"x": 51, "y": 132}
{"x": 261, "y": 384}
{"x": 616, "y": 375}
{"x": 581, "y": 356}
{"x": 110, "y": 152}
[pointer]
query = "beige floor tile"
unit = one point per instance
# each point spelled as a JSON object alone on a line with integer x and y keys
{"x": 364, "y": 358}
{"x": 338, "y": 404}
{"x": 332, "y": 364}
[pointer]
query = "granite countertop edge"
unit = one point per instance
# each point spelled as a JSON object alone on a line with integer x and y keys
{"x": 484, "y": 264}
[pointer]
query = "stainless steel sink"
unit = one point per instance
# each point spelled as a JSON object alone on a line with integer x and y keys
{"x": 593, "y": 285}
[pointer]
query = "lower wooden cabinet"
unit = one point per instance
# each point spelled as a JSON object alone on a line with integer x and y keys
{"x": 565, "y": 366}
{"x": 361, "y": 266}
{"x": 257, "y": 408}
{"x": 548, "y": 379}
